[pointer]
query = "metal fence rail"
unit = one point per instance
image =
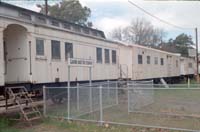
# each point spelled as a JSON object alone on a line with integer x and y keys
{"x": 137, "y": 104}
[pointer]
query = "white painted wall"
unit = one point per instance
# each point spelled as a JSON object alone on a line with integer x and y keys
{"x": 185, "y": 69}
{"x": 46, "y": 70}
{"x": 17, "y": 59}
{"x": 126, "y": 60}
{"x": 1, "y": 58}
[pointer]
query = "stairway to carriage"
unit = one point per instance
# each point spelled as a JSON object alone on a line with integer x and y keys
{"x": 20, "y": 97}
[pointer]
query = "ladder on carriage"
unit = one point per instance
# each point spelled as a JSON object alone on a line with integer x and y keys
{"x": 20, "y": 97}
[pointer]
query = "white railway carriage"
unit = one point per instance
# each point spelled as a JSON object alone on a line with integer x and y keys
{"x": 140, "y": 62}
{"x": 36, "y": 49}
{"x": 188, "y": 66}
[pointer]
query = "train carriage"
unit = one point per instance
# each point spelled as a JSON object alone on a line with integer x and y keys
{"x": 35, "y": 49}
{"x": 141, "y": 62}
{"x": 187, "y": 66}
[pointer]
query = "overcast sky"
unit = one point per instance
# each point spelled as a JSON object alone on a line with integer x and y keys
{"x": 109, "y": 14}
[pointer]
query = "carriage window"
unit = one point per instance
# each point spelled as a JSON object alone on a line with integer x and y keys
{"x": 67, "y": 26}
{"x": 190, "y": 65}
{"x": 99, "y": 55}
{"x": 114, "y": 57}
{"x": 156, "y": 61}
{"x": 148, "y": 60}
{"x": 76, "y": 28}
{"x": 162, "y": 61}
{"x": 55, "y": 49}
{"x": 86, "y": 31}
{"x": 55, "y": 23}
{"x": 139, "y": 59}
{"x": 39, "y": 47}
{"x": 68, "y": 50}
{"x": 41, "y": 20}
{"x": 107, "y": 56}
{"x": 94, "y": 33}
{"x": 25, "y": 15}
{"x": 176, "y": 63}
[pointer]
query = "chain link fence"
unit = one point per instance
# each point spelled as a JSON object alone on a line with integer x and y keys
{"x": 127, "y": 103}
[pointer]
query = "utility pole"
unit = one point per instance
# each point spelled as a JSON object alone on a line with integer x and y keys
{"x": 46, "y": 7}
{"x": 197, "y": 54}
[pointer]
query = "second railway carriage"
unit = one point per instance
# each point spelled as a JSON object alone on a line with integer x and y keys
{"x": 187, "y": 66}
{"x": 140, "y": 62}
{"x": 36, "y": 49}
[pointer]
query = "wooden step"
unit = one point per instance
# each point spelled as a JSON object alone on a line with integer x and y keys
{"x": 32, "y": 112}
{"x": 34, "y": 118}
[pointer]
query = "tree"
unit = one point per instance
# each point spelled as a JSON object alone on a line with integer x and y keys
{"x": 70, "y": 10}
{"x": 183, "y": 42}
{"x": 180, "y": 44}
{"x": 141, "y": 32}
{"x": 117, "y": 34}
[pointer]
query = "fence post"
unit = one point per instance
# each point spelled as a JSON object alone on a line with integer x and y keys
{"x": 90, "y": 98}
{"x": 108, "y": 87}
{"x": 116, "y": 93}
{"x": 44, "y": 102}
{"x": 77, "y": 95}
{"x": 68, "y": 102}
{"x": 101, "y": 105}
{"x": 128, "y": 99}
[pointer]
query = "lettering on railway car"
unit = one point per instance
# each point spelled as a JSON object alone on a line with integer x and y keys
{"x": 80, "y": 62}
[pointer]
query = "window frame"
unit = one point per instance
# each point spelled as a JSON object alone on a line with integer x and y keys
{"x": 70, "y": 52}
{"x": 140, "y": 59}
{"x": 190, "y": 65}
{"x": 43, "y": 47}
{"x": 114, "y": 57}
{"x": 99, "y": 58}
{"x": 107, "y": 56}
{"x": 156, "y": 60}
{"x": 52, "y": 52}
{"x": 148, "y": 59}
{"x": 177, "y": 63}
{"x": 162, "y": 61}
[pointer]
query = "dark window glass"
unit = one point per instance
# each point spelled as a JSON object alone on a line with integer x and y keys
{"x": 148, "y": 60}
{"x": 107, "y": 56}
{"x": 39, "y": 47}
{"x": 114, "y": 57}
{"x": 68, "y": 50}
{"x": 76, "y": 28}
{"x": 67, "y": 26}
{"x": 161, "y": 61}
{"x": 55, "y": 49}
{"x": 86, "y": 31}
{"x": 139, "y": 59}
{"x": 25, "y": 15}
{"x": 176, "y": 63}
{"x": 99, "y": 55}
{"x": 94, "y": 33}
{"x": 55, "y": 23}
{"x": 156, "y": 60}
{"x": 190, "y": 65}
{"x": 41, "y": 20}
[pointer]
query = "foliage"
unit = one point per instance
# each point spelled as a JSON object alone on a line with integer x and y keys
{"x": 70, "y": 10}
{"x": 180, "y": 44}
{"x": 140, "y": 31}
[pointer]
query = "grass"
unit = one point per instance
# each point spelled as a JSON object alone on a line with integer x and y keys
{"x": 59, "y": 125}
{"x": 5, "y": 125}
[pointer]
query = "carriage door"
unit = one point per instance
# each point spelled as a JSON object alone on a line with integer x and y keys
{"x": 16, "y": 54}
{"x": 169, "y": 65}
